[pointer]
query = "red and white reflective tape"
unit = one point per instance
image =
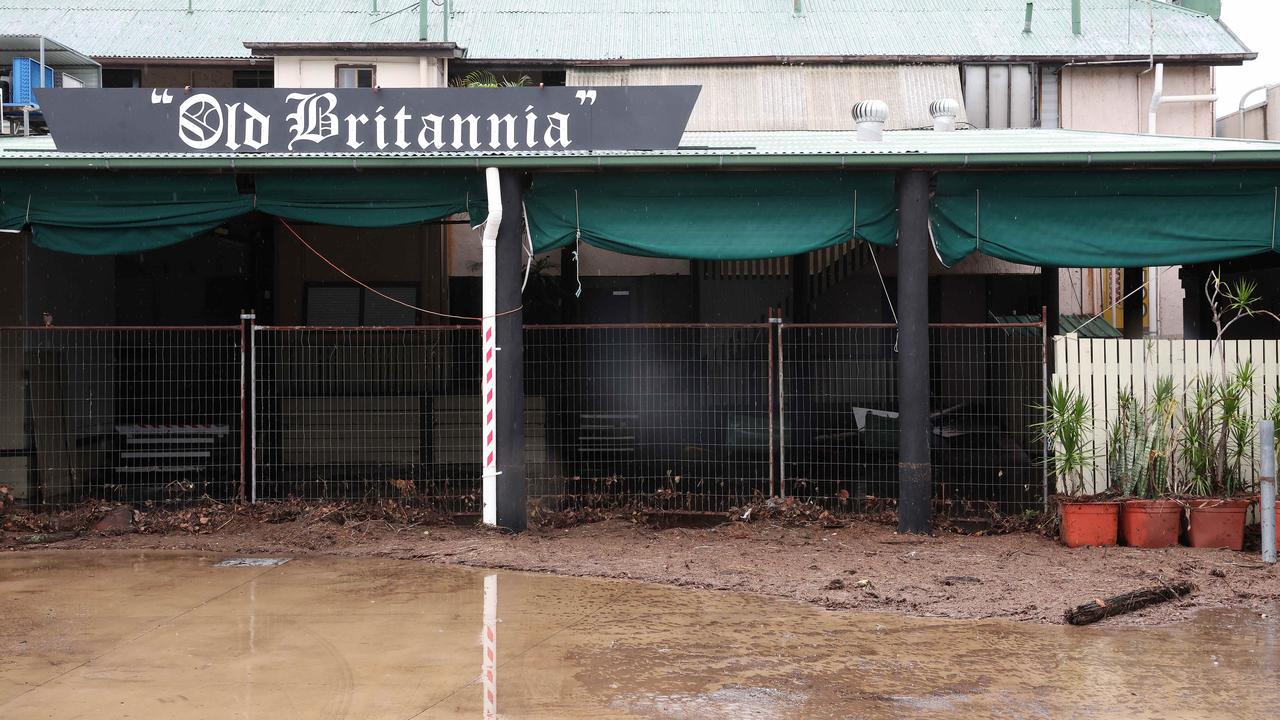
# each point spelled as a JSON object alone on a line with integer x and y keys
{"x": 489, "y": 351}
{"x": 489, "y": 425}
{"x": 489, "y": 641}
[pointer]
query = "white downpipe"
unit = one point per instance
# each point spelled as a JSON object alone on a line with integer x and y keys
{"x": 488, "y": 350}
{"x": 1243, "y": 99}
{"x": 1158, "y": 98}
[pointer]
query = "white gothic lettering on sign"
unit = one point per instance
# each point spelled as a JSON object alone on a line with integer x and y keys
{"x": 402, "y": 120}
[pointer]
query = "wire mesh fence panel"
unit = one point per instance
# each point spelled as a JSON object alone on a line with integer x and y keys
{"x": 120, "y": 413}
{"x": 670, "y": 417}
{"x": 368, "y": 414}
{"x": 988, "y": 385}
{"x": 840, "y": 416}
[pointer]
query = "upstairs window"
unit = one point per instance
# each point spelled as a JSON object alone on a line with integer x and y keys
{"x": 255, "y": 78}
{"x": 355, "y": 76}
{"x": 1001, "y": 96}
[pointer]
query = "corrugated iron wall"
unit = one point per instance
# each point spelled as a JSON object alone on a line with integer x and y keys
{"x": 792, "y": 97}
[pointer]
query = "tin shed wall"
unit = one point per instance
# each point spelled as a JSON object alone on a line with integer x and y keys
{"x": 792, "y": 97}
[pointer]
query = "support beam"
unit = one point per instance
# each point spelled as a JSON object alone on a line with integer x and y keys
{"x": 1133, "y": 295}
{"x": 915, "y": 485}
{"x": 1050, "y": 297}
{"x": 512, "y": 512}
{"x": 1197, "y": 318}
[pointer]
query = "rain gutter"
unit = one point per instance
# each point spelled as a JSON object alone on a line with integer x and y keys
{"x": 676, "y": 162}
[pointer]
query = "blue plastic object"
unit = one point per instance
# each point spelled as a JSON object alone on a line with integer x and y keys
{"x": 23, "y": 81}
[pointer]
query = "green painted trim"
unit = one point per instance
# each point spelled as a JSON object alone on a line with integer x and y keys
{"x": 702, "y": 162}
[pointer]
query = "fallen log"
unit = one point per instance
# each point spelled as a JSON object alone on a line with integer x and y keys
{"x": 1097, "y": 609}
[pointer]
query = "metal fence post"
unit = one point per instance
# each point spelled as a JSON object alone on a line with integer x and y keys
{"x": 1046, "y": 378}
{"x": 782, "y": 418}
{"x": 246, "y": 329}
{"x": 775, "y": 398}
{"x": 1267, "y": 440}
{"x": 249, "y": 420}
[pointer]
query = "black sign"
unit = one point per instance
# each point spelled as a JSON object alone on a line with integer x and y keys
{"x": 285, "y": 120}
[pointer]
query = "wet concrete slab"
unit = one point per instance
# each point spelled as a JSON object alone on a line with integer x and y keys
{"x": 113, "y": 634}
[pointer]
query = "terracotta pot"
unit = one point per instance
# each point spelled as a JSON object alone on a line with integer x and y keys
{"x": 1090, "y": 523}
{"x": 1151, "y": 523}
{"x": 1216, "y": 523}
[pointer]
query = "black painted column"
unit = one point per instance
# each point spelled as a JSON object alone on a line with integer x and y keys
{"x": 511, "y": 491}
{"x": 915, "y": 482}
{"x": 1050, "y": 296}
{"x": 1133, "y": 295}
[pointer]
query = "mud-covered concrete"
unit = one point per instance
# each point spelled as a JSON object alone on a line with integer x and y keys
{"x": 859, "y": 566}
{"x": 151, "y": 634}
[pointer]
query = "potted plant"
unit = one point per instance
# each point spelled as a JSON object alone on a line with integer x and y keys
{"x": 1085, "y": 520}
{"x": 1218, "y": 427}
{"x": 1216, "y": 432}
{"x": 1138, "y": 462}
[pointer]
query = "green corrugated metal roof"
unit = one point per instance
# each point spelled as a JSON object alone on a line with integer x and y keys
{"x": 1086, "y": 326}
{"x": 597, "y": 30}
{"x": 901, "y": 148}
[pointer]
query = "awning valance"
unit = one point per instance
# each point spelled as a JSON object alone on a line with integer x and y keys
{"x": 711, "y": 216}
{"x": 127, "y": 213}
{"x": 370, "y": 199}
{"x": 109, "y": 214}
{"x": 1114, "y": 219}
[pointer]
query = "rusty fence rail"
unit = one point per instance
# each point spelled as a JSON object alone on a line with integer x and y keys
{"x": 677, "y": 418}
{"x": 132, "y": 414}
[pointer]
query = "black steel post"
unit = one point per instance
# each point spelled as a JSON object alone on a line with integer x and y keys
{"x": 1050, "y": 300}
{"x": 915, "y": 479}
{"x": 511, "y": 491}
{"x": 1133, "y": 294}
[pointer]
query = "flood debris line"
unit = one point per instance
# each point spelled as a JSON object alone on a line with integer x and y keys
{"x": 1098, "y": 609}
{"x": 44, "y": 538}
{"x": 1022, "y": 576}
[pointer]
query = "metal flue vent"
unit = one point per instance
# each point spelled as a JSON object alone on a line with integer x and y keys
{"x": 870, "y": 117}
{"x": 944, "y": 112}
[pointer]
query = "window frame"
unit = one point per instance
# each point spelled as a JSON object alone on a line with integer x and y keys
{"x": 337, "y": 75}
{"x": 361, "y": 311}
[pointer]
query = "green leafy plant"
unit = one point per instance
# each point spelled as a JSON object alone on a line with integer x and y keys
{"x": 1127, "y": 454}
{"x": 1217, "y": 431}
{"x": 487, "y": 79}
{"x": 1140, "y": 442}
{"x": 1163, "y": 416}
{"x": 1067, "y": 424}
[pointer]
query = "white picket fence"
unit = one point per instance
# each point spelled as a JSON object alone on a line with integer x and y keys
{"x": 1102, "y": 369}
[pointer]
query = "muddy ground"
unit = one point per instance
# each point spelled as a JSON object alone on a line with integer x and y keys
{"x": 841, "y": 565}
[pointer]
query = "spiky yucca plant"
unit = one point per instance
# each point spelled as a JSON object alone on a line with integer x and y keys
{"x": 1067, "y": 424}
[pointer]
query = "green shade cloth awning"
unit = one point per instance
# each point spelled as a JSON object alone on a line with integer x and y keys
{"x": 117, "y": 213}
{"x": 1117, "y": 219}
{"x": 711, "y": 216}
{"x": 371, "y": 200}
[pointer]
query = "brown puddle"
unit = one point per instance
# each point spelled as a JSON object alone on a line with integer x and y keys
{"x": 110, "y": 634}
